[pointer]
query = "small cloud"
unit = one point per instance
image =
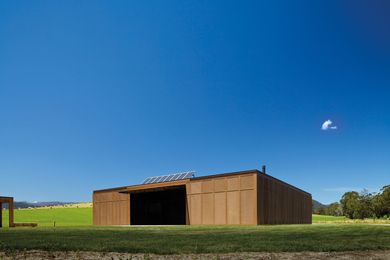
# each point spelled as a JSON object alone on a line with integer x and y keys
{"x": 328, "y": 125}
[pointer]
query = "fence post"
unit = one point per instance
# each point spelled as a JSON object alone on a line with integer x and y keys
{"x": 11, "y": 212}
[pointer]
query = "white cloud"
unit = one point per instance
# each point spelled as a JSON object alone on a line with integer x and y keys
{"x": 328, "y": 125}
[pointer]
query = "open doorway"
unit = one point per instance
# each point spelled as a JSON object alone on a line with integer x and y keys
{"x": 159, "y": 207}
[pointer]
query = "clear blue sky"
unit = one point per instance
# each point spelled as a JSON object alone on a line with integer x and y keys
{"x": 98, "y": 94}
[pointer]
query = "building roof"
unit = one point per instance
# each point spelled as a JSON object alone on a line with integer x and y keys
{"x": 138, "y": 187}
{"x": 4, "y": 199}
{"x": 176, "y": 182}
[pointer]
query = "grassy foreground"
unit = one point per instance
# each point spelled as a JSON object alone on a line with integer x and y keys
{"x": 196, "y": 239}
{"x": 74, "y": 232}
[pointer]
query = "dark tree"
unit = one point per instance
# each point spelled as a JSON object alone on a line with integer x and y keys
{"x": 381, "y": 203}
{"x": 350, "y": 203}
{"x": 334, "y": 209}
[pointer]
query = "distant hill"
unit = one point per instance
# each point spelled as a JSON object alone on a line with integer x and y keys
{"x": 317, "y": 205}
{"x": 25, "y": 204}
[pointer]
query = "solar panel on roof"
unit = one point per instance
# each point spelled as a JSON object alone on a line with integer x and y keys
{"x": 170, "y": 177}
{"x": 147, "y": 180}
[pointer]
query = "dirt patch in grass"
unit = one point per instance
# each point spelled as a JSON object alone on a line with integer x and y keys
{"x": 36, "y": 254}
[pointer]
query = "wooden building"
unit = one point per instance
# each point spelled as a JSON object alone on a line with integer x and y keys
{"x": 10, "y": 202}
{"x": 240, "y": 198}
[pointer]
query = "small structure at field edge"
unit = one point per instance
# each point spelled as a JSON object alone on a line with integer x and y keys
{"x": 239, "y": 198}
{"x": 10, "y": 202}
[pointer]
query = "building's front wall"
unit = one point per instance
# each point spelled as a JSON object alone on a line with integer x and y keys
{"x": 111, "y": 208}
{"x": 224, "y": 200}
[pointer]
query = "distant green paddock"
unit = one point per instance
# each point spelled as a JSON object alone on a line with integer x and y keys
{"x": 344, "y": 220}
{"x": 68, "y": 216}
{"x": 46, "y": 217}
{"x": 325, "y": 218}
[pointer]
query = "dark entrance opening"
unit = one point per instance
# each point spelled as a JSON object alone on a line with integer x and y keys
{"x": 159, "y": 207}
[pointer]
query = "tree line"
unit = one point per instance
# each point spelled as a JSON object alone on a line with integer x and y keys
{"x": 360, "y": 205}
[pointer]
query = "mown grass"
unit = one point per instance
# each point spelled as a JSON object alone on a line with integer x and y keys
{"x": 74, "y": 231}
{"x": 197, "y": 239}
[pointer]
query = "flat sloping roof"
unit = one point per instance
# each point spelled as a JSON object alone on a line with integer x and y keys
{"x": 181, "y": 182}
{"x": 4, "y": 199}
{"x": 136, "y": 187}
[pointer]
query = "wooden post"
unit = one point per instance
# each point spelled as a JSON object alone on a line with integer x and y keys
{"x": 11, "y": 212}
{"x": 1, "y": 214}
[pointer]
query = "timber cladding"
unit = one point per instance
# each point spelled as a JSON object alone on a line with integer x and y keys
{"x": 281, "y": 203}
{"x": 223, "y": 200}
{"x": 111, "y": 208}
{"x": 241, "y": 198}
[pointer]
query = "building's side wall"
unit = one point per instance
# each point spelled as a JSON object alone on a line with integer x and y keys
{"x": 111, "y": 208}
{"x": 225, "y": 200}
{"x": 280, "y": 203}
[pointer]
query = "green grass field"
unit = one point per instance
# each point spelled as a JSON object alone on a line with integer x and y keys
{"x": 74, "y": 232}
{"x": 68, "y": 216}
{"x": 196, "y": 239}
{"x": 45, "y": 217}
{"x": 324, "y": 218}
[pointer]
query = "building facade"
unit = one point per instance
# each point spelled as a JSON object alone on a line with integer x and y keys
{"x": 240, "y": 198}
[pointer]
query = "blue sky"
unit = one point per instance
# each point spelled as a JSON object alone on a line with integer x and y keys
{"x": 98, "y": 94}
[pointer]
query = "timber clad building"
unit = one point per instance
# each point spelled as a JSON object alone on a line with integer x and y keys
{"x": 241, "y": 198}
